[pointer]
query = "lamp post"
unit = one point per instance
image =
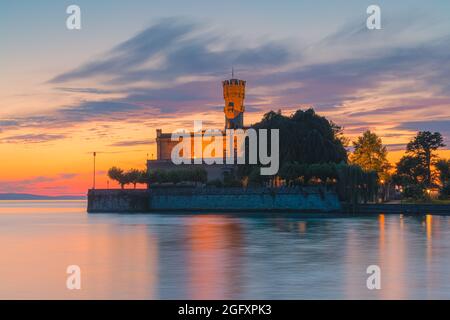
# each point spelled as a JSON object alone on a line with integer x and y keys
{"x": 93, "y": 184}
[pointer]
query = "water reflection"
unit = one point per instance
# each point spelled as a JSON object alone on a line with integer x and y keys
{"x": 214, "y": 257}
{"x": 219, "y": 256}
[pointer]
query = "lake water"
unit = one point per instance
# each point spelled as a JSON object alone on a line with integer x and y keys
{"x": 218, "y": 256}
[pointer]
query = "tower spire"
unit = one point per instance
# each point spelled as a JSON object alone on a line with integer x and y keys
{"x": 232, "y": 72}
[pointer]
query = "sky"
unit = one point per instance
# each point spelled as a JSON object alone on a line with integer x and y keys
{"x": 136, "y": 66}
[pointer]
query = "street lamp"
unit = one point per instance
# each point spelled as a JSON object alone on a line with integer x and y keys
{"x": 93, "y": 184}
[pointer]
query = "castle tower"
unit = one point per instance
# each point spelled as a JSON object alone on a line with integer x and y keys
{"x": 234, "y": 95}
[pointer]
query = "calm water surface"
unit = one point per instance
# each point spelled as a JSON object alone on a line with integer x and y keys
{"x": 166, "y": 256}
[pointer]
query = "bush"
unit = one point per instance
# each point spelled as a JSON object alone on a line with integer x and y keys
{"x": 178, "y": 175}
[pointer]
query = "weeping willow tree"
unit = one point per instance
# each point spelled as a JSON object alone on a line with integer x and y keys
{"x": 356, "y": 185}
{"x": 353, "y": 184}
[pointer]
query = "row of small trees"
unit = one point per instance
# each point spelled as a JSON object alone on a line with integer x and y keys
{"x": 132, "y": 176}
{"x": 196, "y": 175}
{"x": 135, "y": 176}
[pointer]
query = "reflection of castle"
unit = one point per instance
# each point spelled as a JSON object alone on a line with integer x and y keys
{"x": 234, "y": 95}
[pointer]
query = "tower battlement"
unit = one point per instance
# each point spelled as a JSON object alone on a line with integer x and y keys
{"x": 234, "y": 82}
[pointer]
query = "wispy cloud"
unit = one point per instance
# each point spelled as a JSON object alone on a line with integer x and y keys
{"x": 131, "y": 143}
{"x": 174, "y": 48}
{"x": 84, "y": 90}
{"x": 175, "y": 66}
{"x": 442, "y": 126}
{"x": 32, "y": 138}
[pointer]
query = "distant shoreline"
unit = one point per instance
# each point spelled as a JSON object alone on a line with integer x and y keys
{"x": 26, "y": 196}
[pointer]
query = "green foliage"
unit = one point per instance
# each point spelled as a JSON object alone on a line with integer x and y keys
{"x": 143, "y": 177}
{"x": 197, "y": 175}
{"x": 356, "y": 185}
{"x": 132, "y": 176}
{"x": 118, "y": 175}
{"x": 371, "y": 155}
{"x": 296, "y": 173}
{"x": 306, "y": 137}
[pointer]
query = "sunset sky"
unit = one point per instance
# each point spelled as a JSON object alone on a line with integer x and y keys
{"x": 140, "y": 65}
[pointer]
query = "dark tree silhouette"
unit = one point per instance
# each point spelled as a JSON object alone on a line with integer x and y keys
{"x": 422, "y": 147}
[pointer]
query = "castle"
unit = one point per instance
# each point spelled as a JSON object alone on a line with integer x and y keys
{"x": 234, "y": 95}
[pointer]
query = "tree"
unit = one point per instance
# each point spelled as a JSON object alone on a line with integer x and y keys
{"x": 371, "y": 155}
{"x": 117, "y": 174}
{"x": 356, "y": 185}
{"x": 422, "y": 147}
{"x": 411, "y": 175}
{"x": 443, "y": 168}
{"x": 306, "y": 137}
{"x": 143, "y": 177}
{"x": 410, "y": 171}
{"x": 133, "y": 176}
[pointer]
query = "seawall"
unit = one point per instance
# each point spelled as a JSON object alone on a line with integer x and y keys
{"x": 118, "y": 201}
{"x": 403, "y": 208}
{"x": 213, "y": 199}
